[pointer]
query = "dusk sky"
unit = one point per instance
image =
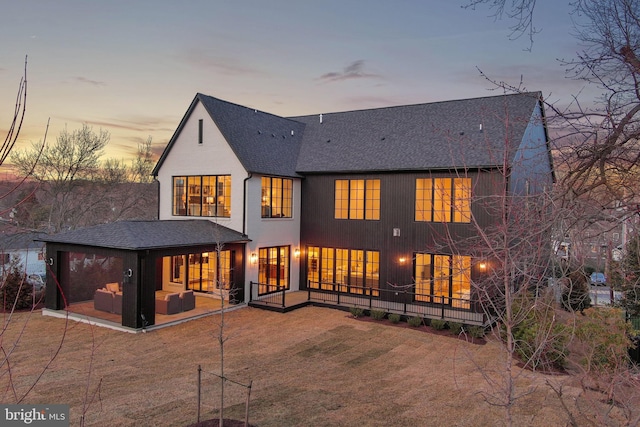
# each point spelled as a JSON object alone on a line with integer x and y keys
{"x": 133, "y": 67}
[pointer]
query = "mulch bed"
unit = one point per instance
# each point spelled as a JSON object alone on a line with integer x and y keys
{"x": 424, "y": 328}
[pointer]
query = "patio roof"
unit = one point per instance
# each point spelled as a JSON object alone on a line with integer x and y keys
{"x": 156, "y": 234}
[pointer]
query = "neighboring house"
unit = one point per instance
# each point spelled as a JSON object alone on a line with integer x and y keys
{"x": 25, "y": 247}
{"x": 350, "y": 203}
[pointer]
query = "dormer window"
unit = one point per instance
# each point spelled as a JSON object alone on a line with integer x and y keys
{"x": 200, "y": 125}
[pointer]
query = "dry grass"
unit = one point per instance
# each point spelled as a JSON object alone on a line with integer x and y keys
{"x": 311, "y": 367}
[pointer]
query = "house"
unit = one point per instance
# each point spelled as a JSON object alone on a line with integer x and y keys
{"x": 26, "y": 249}
{"x": 347, "y": 204}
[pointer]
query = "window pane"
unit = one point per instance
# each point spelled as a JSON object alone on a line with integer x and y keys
{"x": 224, "y": 196}
{"x": 442, "y": 200}
{"x": 462, "y": 199}
{"x": 342, "y": 199}
{"x": 327, "y": 273}
{"x": 179, "y": 195}
{"x": 194, "y": 196}
{"x": 342, "y": 268}
{"x": 287, "y": 198}
{"x": 356, "y": 199}
{"x": 266, "y": 197}
{"x": 208, "y": 195}
{"x": 424, "y": 192}
{"x": 276, "y": 197}
{"x": 313, "y": 266}
{"x": 357, "y": 271}
{"x": 373, "y": 199}
{"x": 441, "y": 278}
{"x": 423, "y": 277}
{"x": 461, "y": 281}
{"x": 372, "y": 272}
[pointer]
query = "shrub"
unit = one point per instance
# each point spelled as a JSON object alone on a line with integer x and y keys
{"x": 414, "y": 321}
{"x": 540, "y": 340}
{"x": 378, "y": 314}
{"x": 394, "y": 318}
{"x": 356, "y": 312}
{"x": 438, "y": 324}
{"x": 604, "y": 339}
{"x": 575, "y": 293}
{"x": 476, "y": 331}
{"x": 455, "y": 327}
{"x": 15, "y": 289}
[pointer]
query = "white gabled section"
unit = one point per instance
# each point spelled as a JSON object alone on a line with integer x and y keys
{"x": 213, "y": 157}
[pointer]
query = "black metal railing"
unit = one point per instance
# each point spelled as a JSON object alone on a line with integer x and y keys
{"x": 400, "y": 301}
{"x": 267, "y": 294}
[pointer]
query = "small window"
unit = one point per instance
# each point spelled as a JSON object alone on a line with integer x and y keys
{"x": 200, "y": 125}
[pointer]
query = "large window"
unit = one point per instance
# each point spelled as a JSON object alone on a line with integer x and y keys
{"x": 206, "y": 271}
{"x": 277, "y": 196}
{"x": 357, "y": 199}
{"x": 273, "y": 270}
{"x": 443, "y": 279}
{"x": 208, "y": 195}
{"x": 443, "y": 199}
{"x": 344, "y": 270}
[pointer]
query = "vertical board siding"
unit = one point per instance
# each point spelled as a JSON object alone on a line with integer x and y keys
{"x": 397, "y": 210}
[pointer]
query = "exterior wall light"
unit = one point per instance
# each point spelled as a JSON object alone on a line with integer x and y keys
{"x": 254, "y": 258}
{"x": 296, "y": 253}
{"x": 402, "y": 260}
{"x": 482, "y": 266}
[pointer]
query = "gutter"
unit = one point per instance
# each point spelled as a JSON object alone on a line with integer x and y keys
{"x": 244, "y": 203}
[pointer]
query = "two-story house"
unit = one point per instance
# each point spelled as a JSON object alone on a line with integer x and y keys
{"x": 357, "y": 203}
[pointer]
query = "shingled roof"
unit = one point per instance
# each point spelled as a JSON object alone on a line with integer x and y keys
{"x": 468, "y": 133}
{"x": 442, "y": 135}
{"x": 139, "y": 235}
{"x": 263, "y": 143}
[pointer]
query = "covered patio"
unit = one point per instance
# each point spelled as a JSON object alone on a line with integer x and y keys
{"x": 137, "y": 265}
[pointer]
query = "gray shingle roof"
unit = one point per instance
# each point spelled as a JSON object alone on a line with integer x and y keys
{"x": 468, "y": 133}
{"x": 438, "y": 135}
{"x": 138, "y": 235}
{"x": 26, "y": 240}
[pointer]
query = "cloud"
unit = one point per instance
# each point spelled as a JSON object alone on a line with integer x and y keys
{"x": 354, "y": 70}
{"x": 85, "y": 80}
{"x": 201, "y": 58}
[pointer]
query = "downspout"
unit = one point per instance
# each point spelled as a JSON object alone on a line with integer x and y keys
{"x": 155, "y": 179}
{"x": 244, "y": 204}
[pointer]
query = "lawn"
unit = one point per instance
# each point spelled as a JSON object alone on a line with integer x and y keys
{"x": 310, "y": 367}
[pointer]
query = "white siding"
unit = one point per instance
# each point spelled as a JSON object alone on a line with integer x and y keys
{"x": 269, "y": 232}
{"x": 215, "y": 157}
{"x": 212, "y": 157}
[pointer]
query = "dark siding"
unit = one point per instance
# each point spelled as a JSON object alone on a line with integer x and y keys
{"x": 320, "y": 228}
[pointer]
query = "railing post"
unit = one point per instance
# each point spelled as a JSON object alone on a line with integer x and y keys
{"x": 442, "y": 305}
{"x": 199, "y": 388}
{"x": 283, "y": 298}
{"x": 250, "y": 291}
{"x": 370, "y": 297}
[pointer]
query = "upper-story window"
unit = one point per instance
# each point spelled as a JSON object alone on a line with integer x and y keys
{"x": 277, "y": 197}
{"x": 208, "y": 195}
{"x": 200, "y": 130}
{"x": 357, "y": 199}
{"x": 443, "y": 199}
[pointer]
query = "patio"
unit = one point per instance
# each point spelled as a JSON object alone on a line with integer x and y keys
{"x": 86, "y": 313}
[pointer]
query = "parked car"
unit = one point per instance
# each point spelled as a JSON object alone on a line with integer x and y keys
{"x": 36, "y": 281}
{"x": 598, "y": 279}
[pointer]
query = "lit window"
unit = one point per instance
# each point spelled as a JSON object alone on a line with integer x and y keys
{"x": 273, "y": 269}
{"x": 344, "y": 270}
{"x": 443, "y": 279}
{"x": 443, "y": 199}
{"x": 277, "y": 197}
{"x": 208, "y": 195}
{"x": 357, "y": 199}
